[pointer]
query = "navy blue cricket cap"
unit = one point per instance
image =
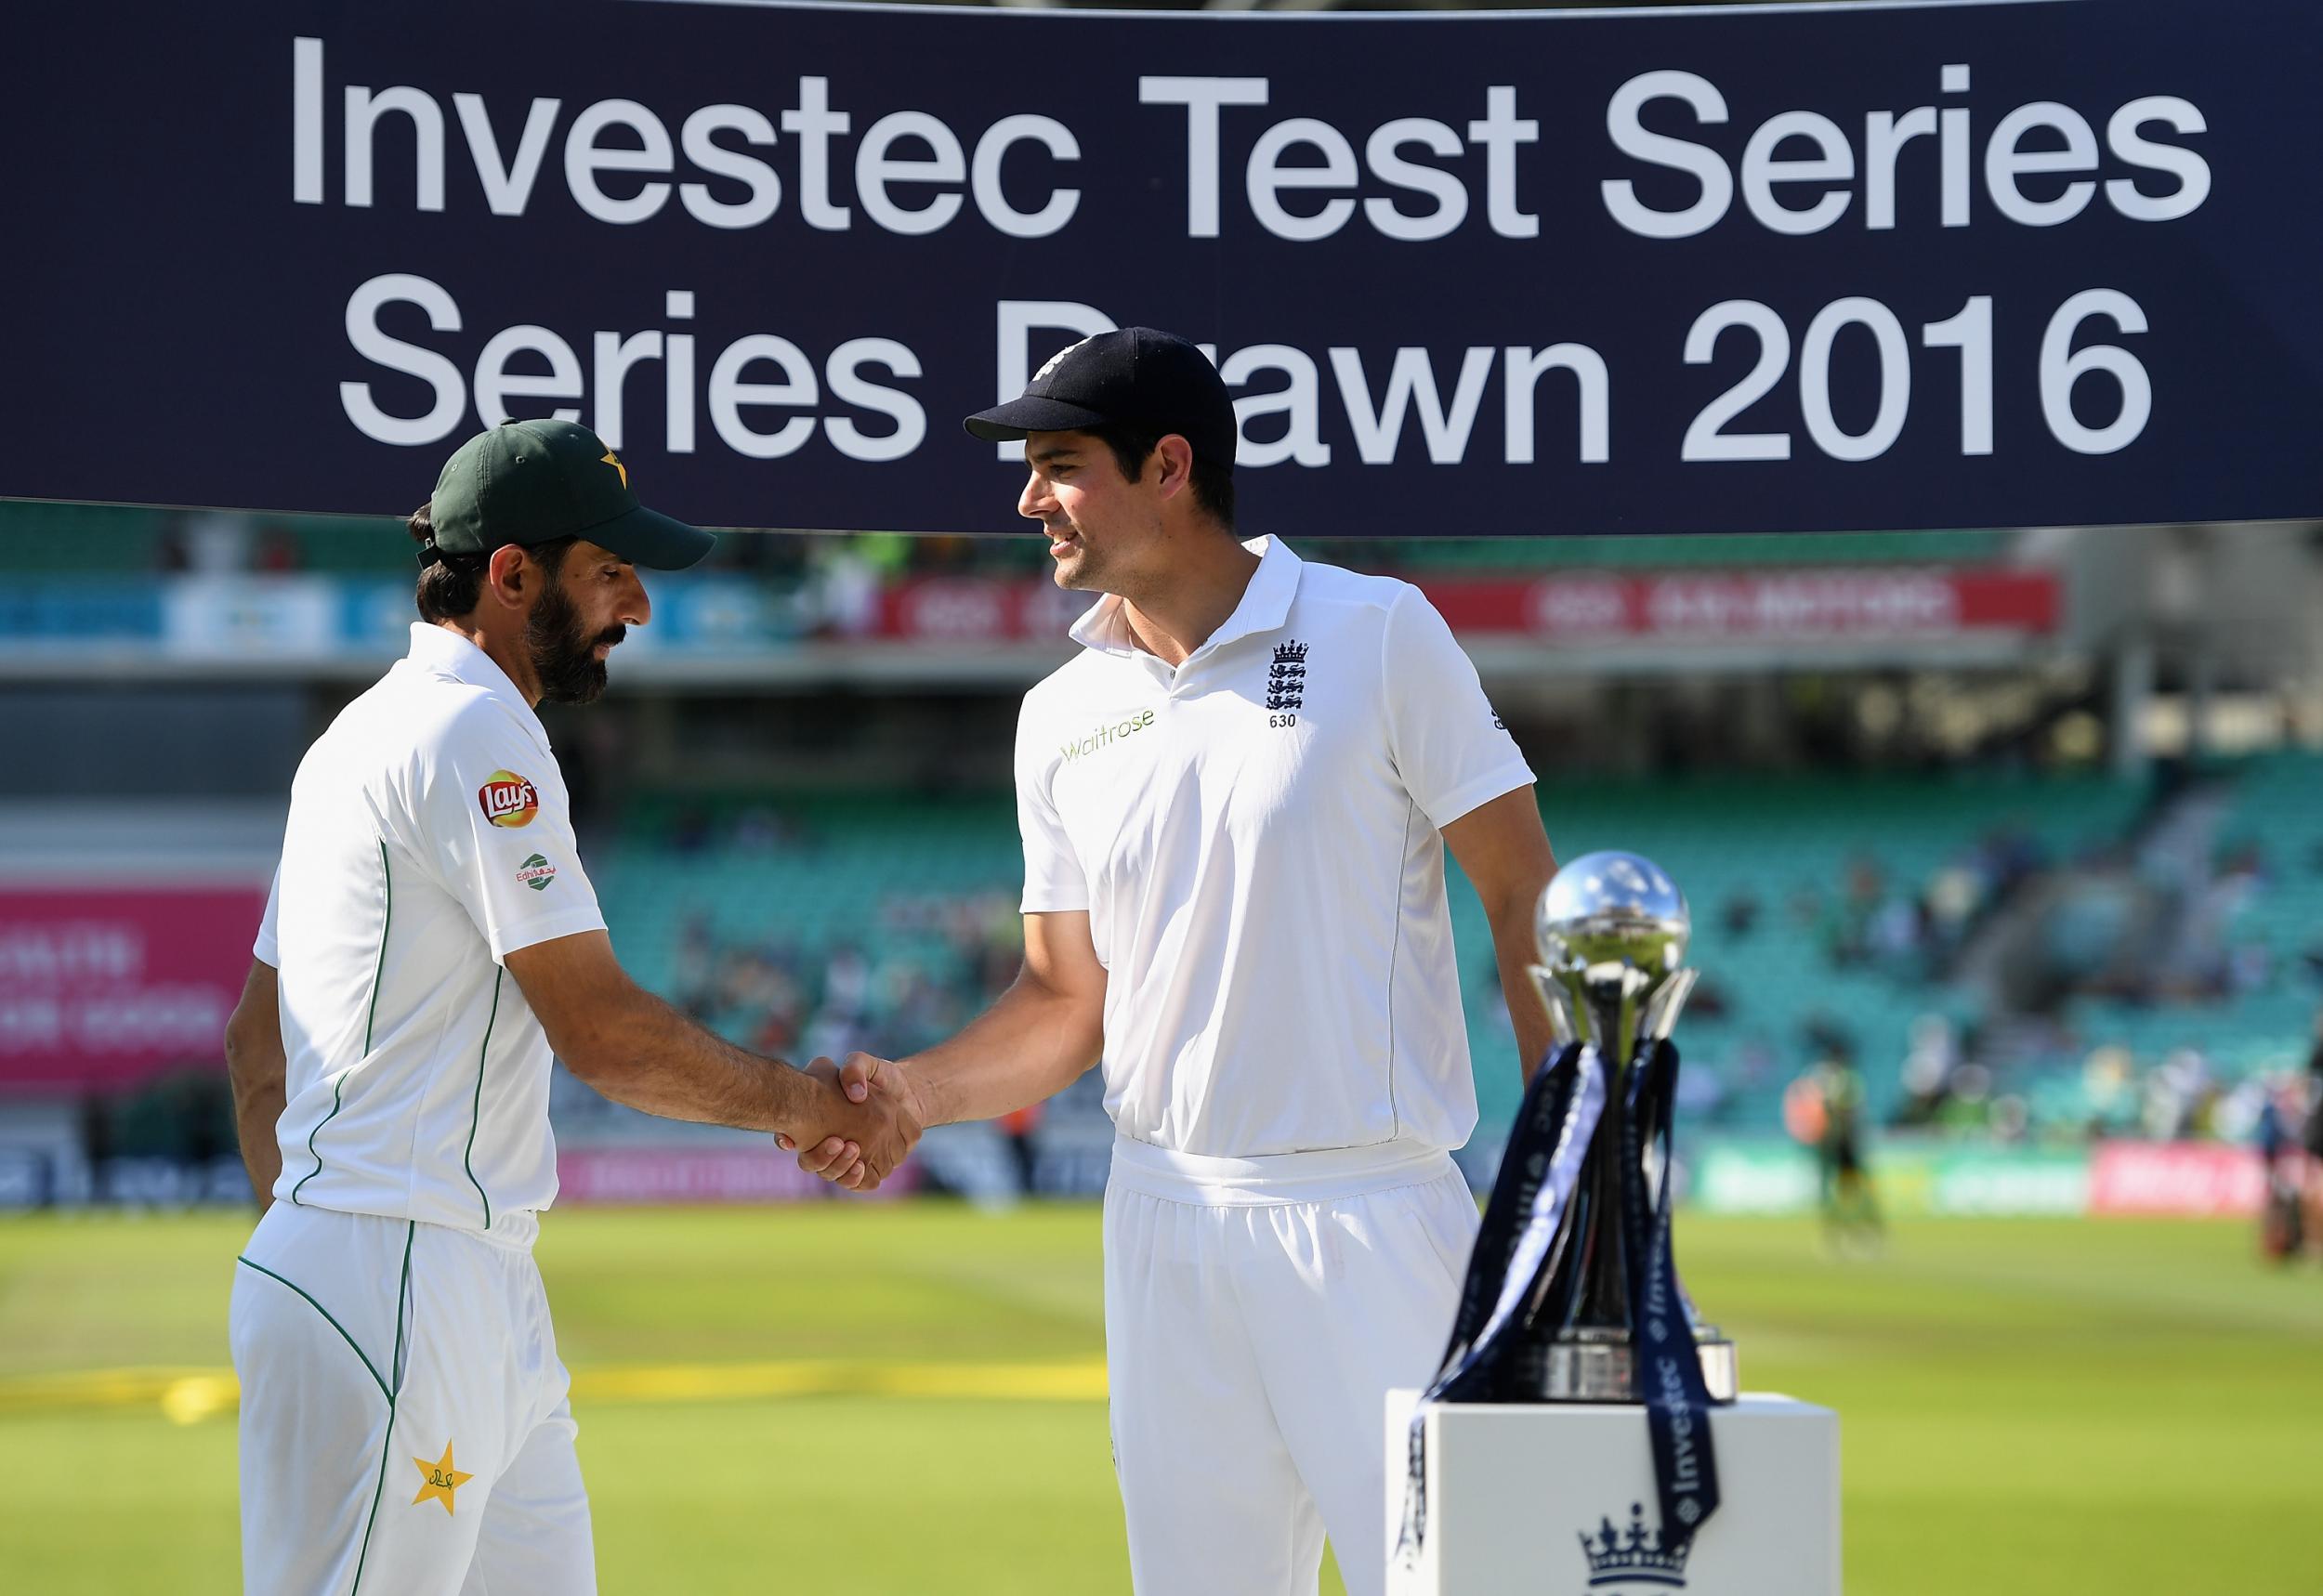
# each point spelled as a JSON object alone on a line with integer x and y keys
{"x": 535, "y": 481}
{"x": 1138, "y": 377}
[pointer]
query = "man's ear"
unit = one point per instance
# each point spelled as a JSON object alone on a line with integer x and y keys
{"x": 1177, "y": 456}
{"x": 508, "y": 576}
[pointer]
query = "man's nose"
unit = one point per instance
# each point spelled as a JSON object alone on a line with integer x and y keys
{"x": 636, "y": 608}
{"x": 1036, "y": 503}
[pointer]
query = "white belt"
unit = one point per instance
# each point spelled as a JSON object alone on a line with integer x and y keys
{"x": 1319, "y": 1176}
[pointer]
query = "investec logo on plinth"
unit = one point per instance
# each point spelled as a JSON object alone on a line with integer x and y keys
{"x": 1106, "y": 736}
{"x": 1635, "y": 1558}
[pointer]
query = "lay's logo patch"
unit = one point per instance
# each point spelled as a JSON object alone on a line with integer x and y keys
{"x": 508, "y": 799}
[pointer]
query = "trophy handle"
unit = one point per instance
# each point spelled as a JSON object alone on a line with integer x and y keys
{"x": 1562, "y": 1024}
{"x": 1662, "y": 1008}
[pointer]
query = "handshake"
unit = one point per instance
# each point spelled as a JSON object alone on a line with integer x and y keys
{"x": 862, "y": 1126}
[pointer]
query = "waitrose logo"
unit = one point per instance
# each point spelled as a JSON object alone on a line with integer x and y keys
{"x": 1107, "y": 736}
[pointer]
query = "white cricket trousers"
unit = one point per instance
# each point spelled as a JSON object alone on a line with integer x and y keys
{"x": 1258, "y": 1310}
{"x": 405, "y": 1429}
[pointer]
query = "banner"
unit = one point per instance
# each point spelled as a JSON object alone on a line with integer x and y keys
{"x": 1910, "y": 1179}
{"x": 2175, "y": 1177}
{"x": 300, "y": 620}
{"x": 1802, "y": 606}
{"x": 697, "y": 1174}
{"x": 1758, "y": 269}
{"x": 102, "y": 987}
{"x": 1794, "y": 606}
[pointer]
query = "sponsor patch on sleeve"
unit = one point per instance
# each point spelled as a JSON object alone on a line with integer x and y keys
{"x": 536, "y": 872}
{"x": 508, "y": 799}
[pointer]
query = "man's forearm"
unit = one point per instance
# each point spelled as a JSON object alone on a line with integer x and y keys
{"x": 1027, "y": 1046}
{"x": 1512, "y": 946}
{"x": 255, "y": 1067}
{"x": 650, "y": 1057}
{"x": 258, "y": 1098}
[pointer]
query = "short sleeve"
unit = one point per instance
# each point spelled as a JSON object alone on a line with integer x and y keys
{"x": 494, "y": 827}
{"x": 1452, "y": 750}
{"x": 1053, "y": 878}
{"x": 268, "y": 950}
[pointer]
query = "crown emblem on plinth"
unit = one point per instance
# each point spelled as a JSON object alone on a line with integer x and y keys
{"x": 1637, "y": 1557}
{"x": 1292, "y": 653}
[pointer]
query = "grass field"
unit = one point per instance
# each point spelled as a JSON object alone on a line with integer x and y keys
{"x": 908, "y": 1399}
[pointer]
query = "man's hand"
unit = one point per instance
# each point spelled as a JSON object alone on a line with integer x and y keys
{"x": 887, "y": 1090}
{"x": 1041, "y": 1035}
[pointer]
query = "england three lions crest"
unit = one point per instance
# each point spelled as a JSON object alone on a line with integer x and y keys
{"x": 1286, "y": 678}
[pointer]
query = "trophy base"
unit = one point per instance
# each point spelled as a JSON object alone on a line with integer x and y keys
{"x": 1601, "y": 1365}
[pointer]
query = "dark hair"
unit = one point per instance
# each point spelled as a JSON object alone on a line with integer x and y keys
{"x": 450, "y": 584}
{"x": 1212, "y": 483}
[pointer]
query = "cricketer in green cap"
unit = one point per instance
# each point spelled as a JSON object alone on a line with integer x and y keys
{"x": 530, "y": 548}
{"x": 534, "y": 481}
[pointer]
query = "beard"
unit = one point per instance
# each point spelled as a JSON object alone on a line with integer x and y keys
{"x": 1082, "y": 571}
{"x": 562, "y": 651}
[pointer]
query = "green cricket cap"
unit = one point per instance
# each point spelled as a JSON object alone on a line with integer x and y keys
{"x": 534, "y": 481}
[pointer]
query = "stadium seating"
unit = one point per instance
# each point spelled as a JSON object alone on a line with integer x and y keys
{"x": 1788, "y": 846}
{"x": 877, "y": 874}
{"x": 111, "y": 539}
{"x": 2275, "y": 815}
{"x": 120, "y": 540}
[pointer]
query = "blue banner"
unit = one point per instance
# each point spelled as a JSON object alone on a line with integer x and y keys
{"x": 1758, "y": 269}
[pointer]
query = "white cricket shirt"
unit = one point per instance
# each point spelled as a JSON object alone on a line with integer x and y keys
{"x": 1258, "y": 837}
{"x": 429, "y": 837}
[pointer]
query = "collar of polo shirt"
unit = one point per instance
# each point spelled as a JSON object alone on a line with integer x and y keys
{"x": 441, "y": 648}
{"x": 1266, "y": 606}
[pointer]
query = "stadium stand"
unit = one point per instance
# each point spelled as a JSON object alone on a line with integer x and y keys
{"x": 1824, "y": 908}
{"x": 111, "y": 539}
{"x": 1890, "y": 914}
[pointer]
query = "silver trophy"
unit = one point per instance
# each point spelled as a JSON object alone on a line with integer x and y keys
{"x": 1611, "y": 931}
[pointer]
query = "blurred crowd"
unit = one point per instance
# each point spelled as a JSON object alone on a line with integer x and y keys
{"x": 836, "y": 576}
{"x": 224, "y": 542}
{"x": 2104, "y": 982}
{"x": 937, "y": 961}
{"x": 2183, "y": 1095}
